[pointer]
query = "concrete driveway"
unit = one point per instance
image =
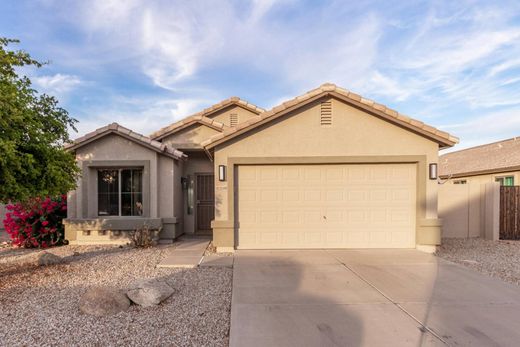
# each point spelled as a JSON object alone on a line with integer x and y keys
{"x": 367, "y": 298}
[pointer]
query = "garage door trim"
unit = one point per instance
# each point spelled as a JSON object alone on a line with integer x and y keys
{"x": 234, "y": 162}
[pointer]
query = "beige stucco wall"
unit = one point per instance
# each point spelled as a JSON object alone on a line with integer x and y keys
{"x": 223, "y": 116}
{"x": 354, "y": 134}
{"x": 159, "y": 174}
{"x": 482, "y": 179}
{"x": 469, "y": 210}
{"x": 191, "y": 137}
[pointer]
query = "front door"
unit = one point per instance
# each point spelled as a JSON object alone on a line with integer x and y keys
{"x": 205, "y": 202}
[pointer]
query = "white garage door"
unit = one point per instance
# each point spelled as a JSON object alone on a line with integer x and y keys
{"x": 326, "y": 206}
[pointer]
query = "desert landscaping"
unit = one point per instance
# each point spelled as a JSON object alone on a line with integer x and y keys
{"x": 497, "y": 259}
{"x": 41, "y": 304}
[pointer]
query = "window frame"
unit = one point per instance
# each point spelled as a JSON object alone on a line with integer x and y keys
{"x": 502, "y": 180}
{"x": 119, "y": 169}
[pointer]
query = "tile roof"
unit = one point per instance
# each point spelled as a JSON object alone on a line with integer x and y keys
{"x": 115, "y": 128}
{"x": 202, "y": 117}
{"x": 493, "y": 157}
{"x": 441, "y": 137}
{"x": 186, "y": 122}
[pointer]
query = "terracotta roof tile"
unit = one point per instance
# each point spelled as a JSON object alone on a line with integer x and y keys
{"x": 416, "y": 123}
{"x": 278, "y": 108}
{"x": 367, "y": 101}
{"x": 312, "y": 93}
{"x": 379, "y": 107}
{"x": 391, "y": 112}
{"x": 342, "y": 90}
{"x": 328, "y": 87}
{"x": 115, "y": 128}
{"x": 429, "y": 128}
{"x": 441, "y": 137}
{"x": 202, "y": 116}
{"x": 354, "y": 96}
{"x": 442, "y": 133}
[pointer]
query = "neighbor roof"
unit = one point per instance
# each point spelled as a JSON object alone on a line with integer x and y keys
{"x": 115, "y": 128}
{"x": 443, "y": 138}
{"x": 490, "y": 158}
{"x": 202, "y": 117}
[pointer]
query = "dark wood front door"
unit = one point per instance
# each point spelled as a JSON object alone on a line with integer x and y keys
{"x": 205, "y": 202}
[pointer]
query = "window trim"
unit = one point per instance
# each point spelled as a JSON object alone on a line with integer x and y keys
{"x": 501, "y": 180}
{"x": 119, "y": 190}
{"x": 89, "y": 208}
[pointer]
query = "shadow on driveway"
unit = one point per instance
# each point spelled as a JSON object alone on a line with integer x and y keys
{"x": 367, "y": 298}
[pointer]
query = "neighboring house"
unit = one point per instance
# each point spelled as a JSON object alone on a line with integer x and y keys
{"x": 327, "y": 169}
{"x": 493, "y": 162}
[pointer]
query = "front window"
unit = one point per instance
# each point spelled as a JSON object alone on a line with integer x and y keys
{"x": 505, "y": 180}
{"x": 120, "y": 192}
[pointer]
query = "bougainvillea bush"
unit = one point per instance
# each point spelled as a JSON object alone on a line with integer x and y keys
{"x": 37, "y": 223}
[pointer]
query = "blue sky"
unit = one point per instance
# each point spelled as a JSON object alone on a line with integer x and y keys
{"x": 145, "y": 64}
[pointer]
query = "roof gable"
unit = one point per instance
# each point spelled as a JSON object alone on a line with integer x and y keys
{"x": 117, "y": 129}
{"x": 330, "y": 90}
{"x": 186, "y": 123}
{"x": 204, "y": 117}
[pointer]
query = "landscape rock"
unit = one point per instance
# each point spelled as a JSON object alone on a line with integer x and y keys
{"x": 101, "y": 301}
{"x": 150, "y": 292}
{"x": 46, "y": 258}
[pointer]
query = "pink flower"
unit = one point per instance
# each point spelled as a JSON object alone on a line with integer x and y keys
{"x": 45, "y": 223}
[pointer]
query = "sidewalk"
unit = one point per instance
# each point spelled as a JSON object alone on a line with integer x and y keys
{"x": 187, "y": 252}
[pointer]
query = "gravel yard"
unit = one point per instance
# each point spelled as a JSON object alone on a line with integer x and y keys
{"x": 39, "y": 305}
{"x": 495, "y": 258}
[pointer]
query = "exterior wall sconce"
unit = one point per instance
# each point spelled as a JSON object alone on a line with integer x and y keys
{"x": 433, "y": 171}
{"x": 222, "y": 173}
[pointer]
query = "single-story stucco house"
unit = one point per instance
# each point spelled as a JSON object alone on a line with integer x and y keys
{"x": 327, "y": 169}
{"x": 492, "y": 162}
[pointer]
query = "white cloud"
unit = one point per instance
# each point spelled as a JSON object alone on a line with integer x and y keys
{"x": 493, "y": 126}
{"x": 144, "y": 115}
{"x": 174, "y": 42}
{"x": 464, "y": 57}
{"x": 449, "y": 60}
{"x": 57, "y": 85}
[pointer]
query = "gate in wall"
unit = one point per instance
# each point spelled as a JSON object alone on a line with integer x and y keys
{"x": 510, "y": 213}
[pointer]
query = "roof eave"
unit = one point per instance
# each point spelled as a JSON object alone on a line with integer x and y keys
{"x": 481, "y": 172}
{"x": 294, "y": 104}
{"x": 175, "y": 155}
{"x": 206, "y": 113}
{"x": 187, "y": 125}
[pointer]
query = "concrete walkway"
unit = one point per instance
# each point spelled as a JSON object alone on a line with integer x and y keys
{"x": 187, "y": 252}
{"x": 367, "y": 298}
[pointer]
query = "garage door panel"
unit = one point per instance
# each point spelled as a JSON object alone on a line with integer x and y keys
{"x": 326, "y": 206}
{"x": 291, "y": 196}
{"x": 336, "y": 173}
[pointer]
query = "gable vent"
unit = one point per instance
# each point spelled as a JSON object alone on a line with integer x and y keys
{"x": 233, "y": 119}
{"x": 326, "y": 113}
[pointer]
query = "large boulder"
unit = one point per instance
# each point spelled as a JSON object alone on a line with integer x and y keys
{"x": 150, "y": 292}
{"x": 103, "y": 302}
{"x": 46, "y": 258}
